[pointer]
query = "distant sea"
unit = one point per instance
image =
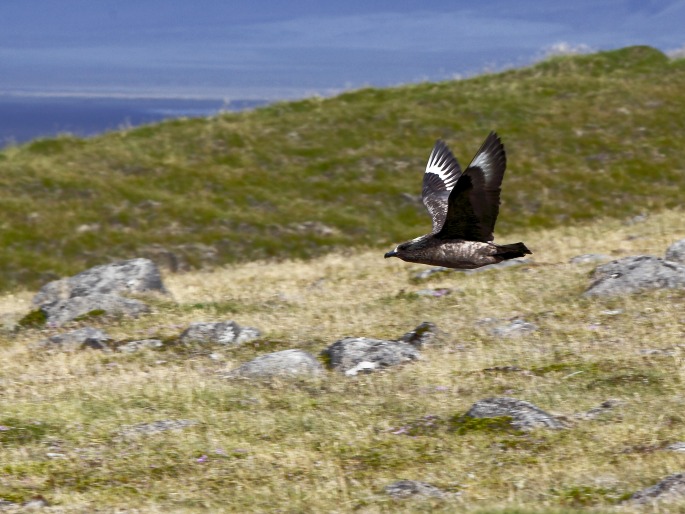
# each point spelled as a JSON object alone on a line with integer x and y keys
{"x": 23, "y": 118}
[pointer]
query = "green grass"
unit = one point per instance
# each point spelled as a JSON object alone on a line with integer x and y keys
{"x": 586, "y": 136}
{"x": 333, "y": 443}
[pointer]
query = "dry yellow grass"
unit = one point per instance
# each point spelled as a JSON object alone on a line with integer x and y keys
{"x": 326, "y": 445}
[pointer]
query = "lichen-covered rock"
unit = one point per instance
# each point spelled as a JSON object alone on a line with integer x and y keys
{"x": 421, "y": 336}
{"x": 124, "y": 277}
{"x": 354, "y": 354}
{"x": 279, "y": 364}
{"x": 223, "y": 332}
{"x": 86, "y": 337}
{"x": 634, "y": 274}
{"x": 676, "y": 252}
{"x": 95, "y": 305}
{"x": 524, "y": 415}
{"x": 669, "y": 489}
{"x": 407, "y": 488}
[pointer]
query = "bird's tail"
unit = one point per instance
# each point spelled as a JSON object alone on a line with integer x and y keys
{"x": 512, "y": 251}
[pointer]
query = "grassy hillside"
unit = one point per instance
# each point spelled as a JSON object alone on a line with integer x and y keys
{"x": 329, "y": 445}
{"x": 586, "y": 136}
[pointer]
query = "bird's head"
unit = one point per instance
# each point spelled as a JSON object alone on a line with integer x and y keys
{"x": 404, "y": 250}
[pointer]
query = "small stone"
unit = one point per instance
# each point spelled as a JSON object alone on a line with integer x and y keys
{"x": 677, "y": 447}
{"x": 612, "y": 312}
{"x": 669, "y": 489}
{"x": 508, "y": 329}
{"x": 36, "y": 503}
{"x": 156, "y": 427}
{"x": 280, "y": 364}
{"x": 86, "y": 337}
{"x": 53, "y": 455}
{"x": 421, "y": 336}
{"x": 640, "y": 218}
{"x": 225, "y": 333}
{"x": 601, "y": 409}
{"x": 134, "y": 346}
{"x": 355, "y": 354}
{"x": 525, "y": 415}
{"x": 407, "y": 488}
{"x": 589, "y": 258}
{"x": 676, "y": 252}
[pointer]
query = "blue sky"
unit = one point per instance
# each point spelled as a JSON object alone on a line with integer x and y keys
{"x": 280, "y": 49}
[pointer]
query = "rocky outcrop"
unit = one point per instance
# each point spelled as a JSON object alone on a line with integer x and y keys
{"x": 123, "y": 277}
{"x": 97, "y": 292}
{"x": 352, "y": 355}
{"x": 286, "y": 363}
{"x": 634, "y": 274}
{"x": 91, "y": 306}
{"x": 524, "y": 415}
{"x": 223, "y": 332}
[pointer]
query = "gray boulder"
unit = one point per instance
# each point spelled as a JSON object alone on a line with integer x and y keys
{"x": 279, "y": 364}
{"x": 123, "y": 277}
{"x": 408, "y": 488}
{"x": 634, "y": 274}
{"x": 223, "y": 332}
{"x": 525, "y": 415}
{"x": 354, "y": 354}
{"x": 676, "y": 252}
{"x": 62, "y": 311}
{"x": 86, "y": 337}
{"x": 670, "y": 488}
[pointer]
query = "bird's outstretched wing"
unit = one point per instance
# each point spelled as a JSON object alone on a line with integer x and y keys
{"x": 473, "y": 204}
{"x": 442, "y": 173}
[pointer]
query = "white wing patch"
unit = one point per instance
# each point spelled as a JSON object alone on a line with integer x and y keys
{"x": 440, "y": 166}
{"x": 483, "y": 161}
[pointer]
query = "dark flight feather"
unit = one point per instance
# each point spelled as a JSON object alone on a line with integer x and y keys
{"x": 473, "y": 204}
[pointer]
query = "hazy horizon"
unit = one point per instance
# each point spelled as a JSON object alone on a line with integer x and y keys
{"x": 266, "y": 49}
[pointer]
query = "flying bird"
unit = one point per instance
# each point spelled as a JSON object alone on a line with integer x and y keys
{"x": 464, "y": 207}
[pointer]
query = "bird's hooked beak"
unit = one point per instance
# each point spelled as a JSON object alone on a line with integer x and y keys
{"x": 391, "y": 254}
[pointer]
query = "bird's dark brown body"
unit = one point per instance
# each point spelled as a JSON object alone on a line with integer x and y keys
{"x": 456, "y": 253}
{"x": 464, "y": 207}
